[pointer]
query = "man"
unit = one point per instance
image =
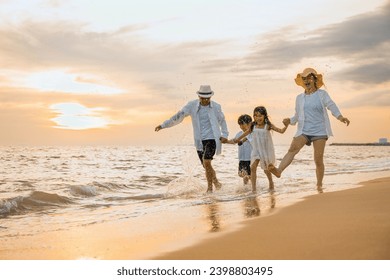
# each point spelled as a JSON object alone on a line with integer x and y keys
{"x": 209, "y": 127}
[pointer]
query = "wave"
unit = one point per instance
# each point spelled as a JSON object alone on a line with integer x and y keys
{"x": 145, "y": 197}
{"x": 35, "y": 201}
{"x": 83, "y": 191}
{"x": 356, "y": 169}
{"x": 110, "y": 186}
{"x": 184, "y": 187}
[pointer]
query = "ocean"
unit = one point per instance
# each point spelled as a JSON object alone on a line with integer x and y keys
{"x": 57, "y": 188}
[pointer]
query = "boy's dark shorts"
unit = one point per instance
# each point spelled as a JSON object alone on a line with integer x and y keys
{"x": 310, "y": 138}
{"x": 244, "y": 165}
{"x": 209, "y": 148}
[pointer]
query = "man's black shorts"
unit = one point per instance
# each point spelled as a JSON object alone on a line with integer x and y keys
{"x": 209, "y": 148}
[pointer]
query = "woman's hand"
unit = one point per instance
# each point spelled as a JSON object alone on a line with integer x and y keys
{"x": 343, "y": 120}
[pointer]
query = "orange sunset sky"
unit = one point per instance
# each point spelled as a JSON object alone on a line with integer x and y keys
{"x": 79, "y": 72}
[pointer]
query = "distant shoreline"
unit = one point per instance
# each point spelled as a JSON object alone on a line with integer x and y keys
{"x": 360, "y": 144}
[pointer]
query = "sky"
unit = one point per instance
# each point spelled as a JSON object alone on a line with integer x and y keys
{"x": 80, "y": 72}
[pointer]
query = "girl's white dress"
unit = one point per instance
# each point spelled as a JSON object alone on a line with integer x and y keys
{"x": 262, "y": 147}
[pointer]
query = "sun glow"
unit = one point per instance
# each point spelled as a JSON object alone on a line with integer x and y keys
{"x": 75, "y": 116}
{"x": 61, "y": 81}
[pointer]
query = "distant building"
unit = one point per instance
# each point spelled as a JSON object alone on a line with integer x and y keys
{"x": 382, "y": 140}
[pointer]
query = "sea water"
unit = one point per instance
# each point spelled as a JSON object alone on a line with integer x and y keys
{"x": 57, "y": 188}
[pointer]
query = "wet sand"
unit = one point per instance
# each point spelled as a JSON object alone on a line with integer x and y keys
{"x": 349, "y": 224}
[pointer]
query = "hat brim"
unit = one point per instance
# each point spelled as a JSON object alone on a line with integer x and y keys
{"x": 299, "y": 81}
{"x": 205, "y": 94}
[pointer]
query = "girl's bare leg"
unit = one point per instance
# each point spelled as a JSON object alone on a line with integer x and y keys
{"x": 270, "y": 181}
{"x": 254, "y": 174}
{"x": 296, "y": 145}
{"x": 319, "y": 148}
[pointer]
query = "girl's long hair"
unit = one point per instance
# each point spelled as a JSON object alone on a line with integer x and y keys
{"x": 263, "y": 111}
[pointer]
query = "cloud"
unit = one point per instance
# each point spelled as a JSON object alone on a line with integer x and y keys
{"x": 48, "y": 44}
{"x": 123, "y": 56}
{"x": 362, "y": 42}
{"x": 369, "y": 73}
{"x": 375, "y": 99}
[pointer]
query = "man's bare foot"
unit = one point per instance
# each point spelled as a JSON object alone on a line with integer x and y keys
{"x": 274, "y": 170}
{"x": 217, "y": 184}
{"x": 209, "y": 190}
{"x": 320, "y": 189}
{"x": 271, "y": 186}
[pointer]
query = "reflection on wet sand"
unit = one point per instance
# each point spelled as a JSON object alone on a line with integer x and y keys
{"x": 251, "y": 204}
{"x": 213, "y": 215}
{"x": 272, "y": 199}
{"x": 251, "y": 207}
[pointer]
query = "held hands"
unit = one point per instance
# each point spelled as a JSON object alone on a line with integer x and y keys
{"x": 223, "y": 140}
{"x": 227, "y": 141}
{"x": 238, "y": 142}
{"x": 286, "y": 122}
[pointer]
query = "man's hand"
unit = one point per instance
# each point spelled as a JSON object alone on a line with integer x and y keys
{"x": 223, "y": 140}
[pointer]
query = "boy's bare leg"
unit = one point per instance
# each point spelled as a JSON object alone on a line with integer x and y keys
{"x": 245, "y": 177}
{"x": 319, "y": 148}
{"x": 296, "y": 145}
{"x": 254, "y": 174}
{"x": 270, "y": 181}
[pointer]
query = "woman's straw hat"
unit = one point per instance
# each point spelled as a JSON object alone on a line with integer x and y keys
{"x": 205, "y": 91}
{"x": 307, "y": 72}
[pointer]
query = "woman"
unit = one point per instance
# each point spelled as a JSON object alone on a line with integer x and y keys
{"x": 313, "y": 122}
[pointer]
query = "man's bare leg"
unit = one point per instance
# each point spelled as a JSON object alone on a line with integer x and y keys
{"x": 210, "y": 176}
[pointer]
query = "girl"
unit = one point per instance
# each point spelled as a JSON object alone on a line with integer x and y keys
{"x": 262, "y": 146}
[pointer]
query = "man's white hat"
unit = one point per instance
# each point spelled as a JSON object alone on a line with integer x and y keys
{"x": 205, "y": 91}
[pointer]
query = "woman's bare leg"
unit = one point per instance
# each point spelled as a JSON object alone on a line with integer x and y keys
{"x": 319, "y": 148}
{"x": 296, "y": 145}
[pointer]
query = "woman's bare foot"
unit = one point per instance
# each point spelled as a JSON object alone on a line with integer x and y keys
{"x": 274, "y": 170}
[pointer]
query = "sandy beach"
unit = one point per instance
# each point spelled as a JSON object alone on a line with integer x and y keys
{"x": 345, "y": 225}
{"x": 349, "y": 224}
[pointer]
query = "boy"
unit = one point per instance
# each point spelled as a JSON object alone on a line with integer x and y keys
{"x": 244, "y": 149}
